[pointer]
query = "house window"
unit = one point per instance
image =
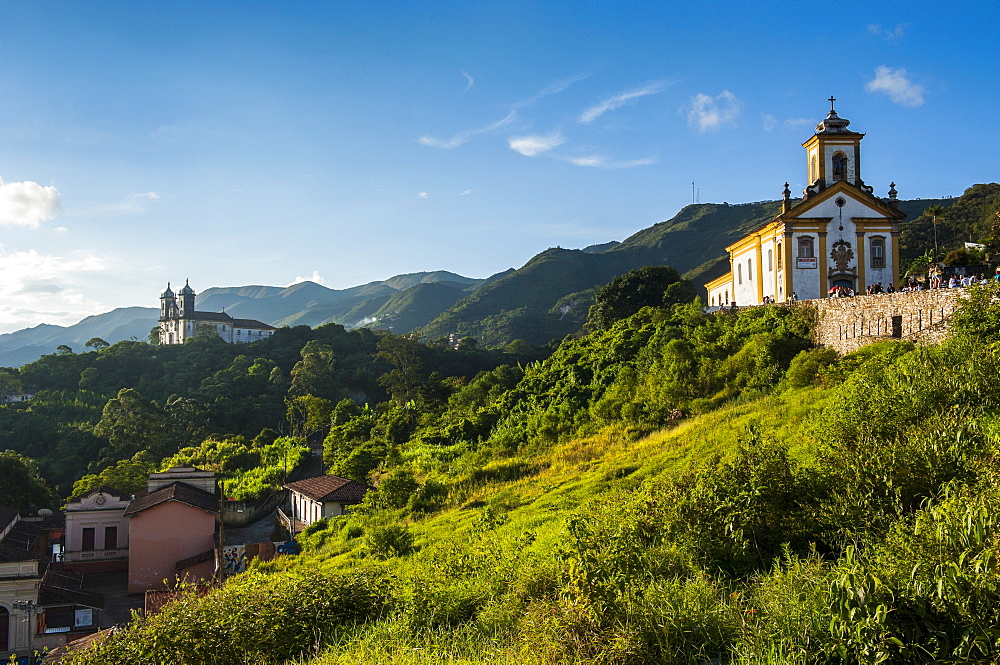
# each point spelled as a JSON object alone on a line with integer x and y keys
{"x": 111, "y": 537}
{"x": 839, "y": 166}
{"x": 877, "y": 253}
{"x": 88, "y": 539}
{"x": 806, "y": 250}
{"x": 739, "y": 274}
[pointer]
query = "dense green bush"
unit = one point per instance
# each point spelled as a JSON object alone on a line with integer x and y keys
{"x": 254, "y": 618}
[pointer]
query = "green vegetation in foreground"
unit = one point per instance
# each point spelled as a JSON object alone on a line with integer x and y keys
{"x": 815, "y": 510}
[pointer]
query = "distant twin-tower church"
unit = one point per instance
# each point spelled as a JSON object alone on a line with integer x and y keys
{"x": 179, "y": 321}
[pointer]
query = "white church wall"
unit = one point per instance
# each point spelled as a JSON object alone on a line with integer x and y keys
{"x": 744, "y": 279}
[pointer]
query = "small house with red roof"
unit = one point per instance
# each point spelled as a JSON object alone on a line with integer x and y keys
{"x": 313, "y": 499}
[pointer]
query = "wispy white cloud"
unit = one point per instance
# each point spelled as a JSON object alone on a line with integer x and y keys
{"x": 27, "y": 203}
{"x": 465, "y": 192}
{"x": 37, "y": 287}
{"x": 315, "y": 277}
{"x": 769, "y": 121}
{"x": 707, "y": 113}
{"x": 423, "y": 195}
{"x": 529, "y": 146}
{"x": 469, "y": 81}
{"x": 798, "y": 122}
{"x": 464, "y": 137}
{"x": 619, "y": 100}
{"x": 603, "y": 162}
{"x": 549, "y": 90}
{"x": 897, "y": 85}
{"x": 893, "y": 36}
{"x": 131, "y": 204}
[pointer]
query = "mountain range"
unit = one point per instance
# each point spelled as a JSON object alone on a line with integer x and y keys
{"x": 545, "y": 299}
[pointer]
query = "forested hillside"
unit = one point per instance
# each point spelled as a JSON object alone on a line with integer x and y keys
{"x": 674, "y": 487}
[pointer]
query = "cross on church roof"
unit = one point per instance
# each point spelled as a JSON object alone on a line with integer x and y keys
{"x": 832, "y": 100}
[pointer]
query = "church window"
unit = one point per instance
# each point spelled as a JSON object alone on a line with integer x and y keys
{"x": 877, "y": 252}
{"x": 806, "y": 250}
{"x": 779, "y": 256}
{"x": 727, "y": 297}
{"x": 839, "y": 166}
{"x": 739, "y": 274}
{"x": 749, "y": 270}
{"x": 770, "y": 260}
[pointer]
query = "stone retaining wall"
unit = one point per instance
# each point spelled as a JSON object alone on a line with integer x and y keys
{"x": 847, "y": 324}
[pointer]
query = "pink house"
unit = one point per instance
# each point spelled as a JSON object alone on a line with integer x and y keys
{"x": 172, "y": 530}
{"x": 96, "y": 532}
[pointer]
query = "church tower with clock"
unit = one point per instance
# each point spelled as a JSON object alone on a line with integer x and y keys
{"x": 838, "y": 235}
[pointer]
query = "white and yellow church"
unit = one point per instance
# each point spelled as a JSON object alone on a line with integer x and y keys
{"x": 839, "y": 234}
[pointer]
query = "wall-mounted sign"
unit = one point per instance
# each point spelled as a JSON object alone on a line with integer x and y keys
{"x": 803, "y": 262}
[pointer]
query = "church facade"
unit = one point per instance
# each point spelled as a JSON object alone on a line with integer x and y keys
{"x": 839, "y": 235}
{"x": 179, "y": 321}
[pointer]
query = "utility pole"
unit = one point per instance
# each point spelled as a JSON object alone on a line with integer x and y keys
{"x": 31, "y": 608}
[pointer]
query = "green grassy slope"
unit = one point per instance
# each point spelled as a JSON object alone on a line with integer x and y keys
{"x": 799, "y": 508}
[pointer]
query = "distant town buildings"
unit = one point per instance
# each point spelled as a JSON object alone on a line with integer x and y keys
{"x": 179, "y": 321}
{"x": 840, "y": 235}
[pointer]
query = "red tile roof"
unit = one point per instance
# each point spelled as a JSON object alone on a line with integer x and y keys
{"x": 330, "y": 488}
{"x": 175, "y": 491}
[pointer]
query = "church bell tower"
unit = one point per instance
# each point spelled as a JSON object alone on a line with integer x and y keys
{"x": 168, "y": 304}
{"x": 833, "y": 154}
{"x": 187, "y": 300}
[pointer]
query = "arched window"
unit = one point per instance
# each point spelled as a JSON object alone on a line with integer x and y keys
{"x": 839, "y": 166}
{"x": 749, "y": 270}
{"x": 780, "y": 254}
{"x": 877, "y": 251}
{"x": 806, "y": 247}
{"x": 739, "y": 274}
{"x": 4, "y": 629}
{"x": 727, "y": 297}
{"x": 813, "y": 169}
{"x": 770, "y": 260}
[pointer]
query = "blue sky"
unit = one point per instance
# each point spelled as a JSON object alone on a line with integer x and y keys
{"x": 346, "y": 142}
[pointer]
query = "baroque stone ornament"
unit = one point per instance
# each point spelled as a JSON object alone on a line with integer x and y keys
{"x": 842, "y": 255}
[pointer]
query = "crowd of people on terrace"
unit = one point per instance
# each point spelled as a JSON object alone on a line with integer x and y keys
{"x": 934, "y": 280}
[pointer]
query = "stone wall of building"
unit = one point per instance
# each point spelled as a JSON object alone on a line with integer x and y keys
{"x": 847, "y": 324}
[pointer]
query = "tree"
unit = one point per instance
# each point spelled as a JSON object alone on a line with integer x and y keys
{"x": 652, "y": 286}
{"x": 23, "y": 487}
{"x": 309, "y": 416}
{"x": 128, "y": 475}
{"x": 63, "y": 350}
{"x": 403, "y": 353}
{"x": 935, "y": 212}
{"x": 96, "y": 343}
{"x": 313, "y": 375}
